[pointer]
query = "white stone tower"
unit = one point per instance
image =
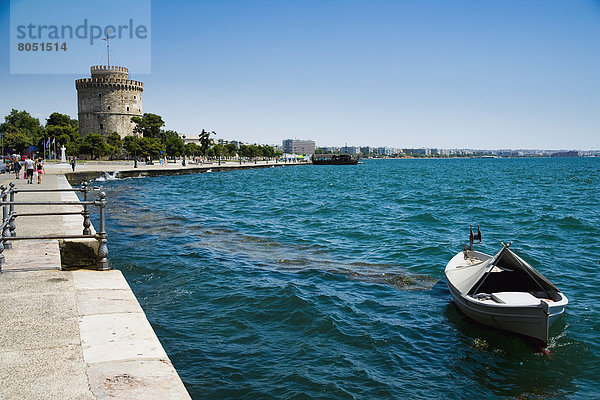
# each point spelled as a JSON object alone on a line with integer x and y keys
{"x": 107, "y": 101}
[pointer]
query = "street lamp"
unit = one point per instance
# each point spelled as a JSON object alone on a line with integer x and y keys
{"x": 183, "y": 162}
{"x": 134, "y": 151}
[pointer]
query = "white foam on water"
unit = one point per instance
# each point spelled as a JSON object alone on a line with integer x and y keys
{"x": 108, "y": 177}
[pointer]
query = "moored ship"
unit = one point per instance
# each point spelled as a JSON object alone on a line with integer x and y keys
{"x": 334, "y": 159}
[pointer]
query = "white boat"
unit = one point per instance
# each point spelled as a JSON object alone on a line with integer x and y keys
{"x": 504, "y": 291}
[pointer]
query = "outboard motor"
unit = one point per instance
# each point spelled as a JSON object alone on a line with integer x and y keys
{"x": 474, "y": 238}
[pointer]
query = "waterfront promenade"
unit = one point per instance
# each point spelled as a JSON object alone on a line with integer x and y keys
{"x": 77, "y": 334}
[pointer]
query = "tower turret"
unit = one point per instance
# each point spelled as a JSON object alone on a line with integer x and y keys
{"x": 107, "y": 101}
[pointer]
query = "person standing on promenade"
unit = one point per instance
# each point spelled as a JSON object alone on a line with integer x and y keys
{"x": 40, "y": 169}
{"x": 73, "y": 163}
{"x": 17, "y": 167}
{"x": 29, "y": 170}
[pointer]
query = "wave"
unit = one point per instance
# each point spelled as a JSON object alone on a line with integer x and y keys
{"x": 425, "y": 217}
{"x": 107, "y": 176}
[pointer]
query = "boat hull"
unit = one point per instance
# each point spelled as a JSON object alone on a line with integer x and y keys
{"x": 514, "y": 311}
{"x": 529, "y": 321}
{"x": 334, "y": 159}
{"x": 350, "y": 162}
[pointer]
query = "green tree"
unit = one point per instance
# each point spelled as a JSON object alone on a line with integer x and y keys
{"x": 173, "y": 144}
{"x": 131, "y": 146}
{"x": 152, "y": 147}
{"x": 114, "y": 139}
{"x": 62, "y": 128}
{"x": 244, "y": 151}
{"x": 267, "y": 151}
{"x": 115, "y": 144}
{"x": 253, "y": 151}
{"x": 192, "y": 149}
{"x": 149, "y": 125}
{"x": 72, "y": 147}
{"x": 93, "y": 144}
{"x": 63, "y": 139}
{"x": 218, "y": 150}
{"x": 59, "y": 131}
{"x": 20, "y": 130}
{"x": 231, "y": 149}
{"x": 58, "y": 119}
{"x": 18, "y": 141}
{"x": 205, "y": 141}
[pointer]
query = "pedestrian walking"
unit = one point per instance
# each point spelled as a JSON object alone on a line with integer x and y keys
{"x": 73, "y": 163}
{"x": 17, "y": 167}
{"x": 40, "y": 170}
{"x": 29, "y": 165}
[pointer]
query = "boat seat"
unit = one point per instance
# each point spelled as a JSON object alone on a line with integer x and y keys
{"x": 516, "y": 298}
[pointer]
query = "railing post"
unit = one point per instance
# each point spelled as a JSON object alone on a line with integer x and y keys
{"x": 1, "y": 252}
{"x": 6, "y": 229}
{"x": 102, "y": 263}
{"x": 2, "y": 236}
{"x": 86, "y": 213}
{"x": 12, "y": 215}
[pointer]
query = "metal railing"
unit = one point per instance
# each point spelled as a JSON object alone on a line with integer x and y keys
{"x": 9, "y": 215}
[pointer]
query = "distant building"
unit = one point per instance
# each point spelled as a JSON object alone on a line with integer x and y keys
{"x": 329, "y": 149}
{"x": 384, "y": 151}
{"x": 506, "y": 153}
{"x": 193, "y": 138}
{"x": 418, "y": 152}
{"x": 295, "y": 146}
{"x": 349, "y": 150}
{"x": 566, "y": 154}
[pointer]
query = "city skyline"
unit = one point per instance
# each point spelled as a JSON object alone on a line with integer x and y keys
{"x": 466, "y": 74}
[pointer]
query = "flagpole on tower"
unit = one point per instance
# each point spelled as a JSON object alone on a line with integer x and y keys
{"x": 107, "y": 48}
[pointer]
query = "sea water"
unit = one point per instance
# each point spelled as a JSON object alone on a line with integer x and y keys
{"x": 327, "y": 282}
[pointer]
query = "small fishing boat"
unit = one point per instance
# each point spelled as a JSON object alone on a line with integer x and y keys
{"x": 334, "y": 159}
{"x": 503, "y": 291}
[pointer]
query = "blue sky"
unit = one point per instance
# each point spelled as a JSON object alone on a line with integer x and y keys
{"x": 418, "y": 73}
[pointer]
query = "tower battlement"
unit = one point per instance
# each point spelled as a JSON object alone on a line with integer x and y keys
{"x": 107, "y": 101}
{"x": 113, "y": 82}
{"x": 105, "y": 69}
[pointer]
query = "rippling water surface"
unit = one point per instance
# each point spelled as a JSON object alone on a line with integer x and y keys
{"x": 327, "y": 281}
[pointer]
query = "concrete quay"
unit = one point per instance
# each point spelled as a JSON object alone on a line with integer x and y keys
{"x": 72, "y": 334}
{"x": 90, "y": 170}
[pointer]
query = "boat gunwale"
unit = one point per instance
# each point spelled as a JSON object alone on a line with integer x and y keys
{"x": 543, "y": 304}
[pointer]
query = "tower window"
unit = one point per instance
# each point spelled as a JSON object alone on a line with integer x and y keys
{"x": 134, "y": 97}
{"x": 127, "y": 108}
{"x": 109, "y": 107}
{"x": 101, "y": 127}
{"x": 99, "y": 94}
